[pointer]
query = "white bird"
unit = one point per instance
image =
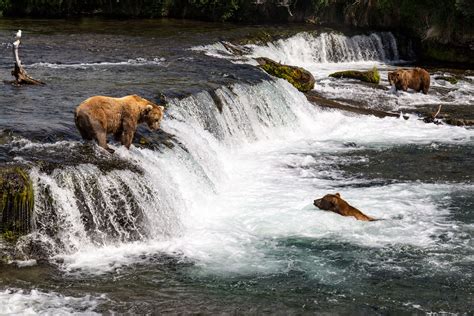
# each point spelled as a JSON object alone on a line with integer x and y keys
{"x": 18, "y": 34}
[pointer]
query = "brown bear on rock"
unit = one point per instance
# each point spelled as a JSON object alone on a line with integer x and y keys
{"x": 98, "y": 116}
{"x": 334, "y": 203}
{"x": 417, "y": 79}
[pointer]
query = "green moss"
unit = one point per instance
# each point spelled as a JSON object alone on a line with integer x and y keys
{"x": 300, "y": 78}
{"x": 451, "y": 80}
{"x": 10, "y": 236}
{"x": 16, "y": 202}
{"x": 371, "y": 76}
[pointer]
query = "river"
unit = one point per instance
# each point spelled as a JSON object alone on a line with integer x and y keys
{"x": 221, "y": 219}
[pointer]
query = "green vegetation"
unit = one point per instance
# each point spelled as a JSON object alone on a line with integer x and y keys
{"x": 448, "y": 22}
{"x": 16, "y": 202}
{"x": 413, "y": 12}
{"x": 4, "y": 4}
{"x": 300, "y": 78}
{"x": 371, "y": 76}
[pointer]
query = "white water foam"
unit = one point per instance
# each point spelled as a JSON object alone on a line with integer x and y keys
{"x": 305, "y": 49}
{"x": 34, "y": 302}
{"x": 247, "y": 179}
{"x": 131, "y": 62}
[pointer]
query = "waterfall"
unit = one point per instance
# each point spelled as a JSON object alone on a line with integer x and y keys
{"x": 81, "y": 205}
{"x": 306, "y": 48}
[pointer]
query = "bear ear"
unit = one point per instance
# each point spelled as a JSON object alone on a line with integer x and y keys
{"x": 148, "y": 108}
{"x": 162, "y": 108}
{"x": 337, "y": 194}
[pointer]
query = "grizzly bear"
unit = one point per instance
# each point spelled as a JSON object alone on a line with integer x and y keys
{"x": 417, "y": 79}
{"x": 334, "y": 203}
{"x": 98, "y": 116}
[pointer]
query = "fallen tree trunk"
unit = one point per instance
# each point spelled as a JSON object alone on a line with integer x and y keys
{"x": 331, "y": 104}
{"x": 21, "y": 77}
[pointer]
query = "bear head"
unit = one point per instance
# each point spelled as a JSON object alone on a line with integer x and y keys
{"x": 329, "y": 202}
{"x": 397, "y": 76}
{"x": 391, "y": 77}
{"x": 152, "y": 116}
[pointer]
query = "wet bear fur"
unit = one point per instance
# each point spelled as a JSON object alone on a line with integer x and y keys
{"x": 417, "y": 79}
{"x": 334, "y": 203}
{"x": 99, "y": 116}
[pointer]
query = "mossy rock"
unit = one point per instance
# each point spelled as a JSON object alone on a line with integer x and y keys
{"x": 299, "y": 77}
{"x": 371, "y": 76}
{"x": 451, "y": 80}
{"x": 16, "y": 202}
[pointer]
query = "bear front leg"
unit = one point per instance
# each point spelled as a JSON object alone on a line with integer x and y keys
{"x": 127, "y": 138}
{"x": 129, "y": 127}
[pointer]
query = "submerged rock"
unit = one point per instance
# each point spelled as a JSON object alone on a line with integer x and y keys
{"x": 16, "y": 202}
{"x": 371, "y": 76}
{"x": 299, "y": 77}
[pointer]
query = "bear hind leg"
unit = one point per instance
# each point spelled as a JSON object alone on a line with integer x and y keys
{"x": 100, "y": 135}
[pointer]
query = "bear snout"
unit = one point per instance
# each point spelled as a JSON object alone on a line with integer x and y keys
{"x": 155, "y": 126}
{"x": 317, "y": 203}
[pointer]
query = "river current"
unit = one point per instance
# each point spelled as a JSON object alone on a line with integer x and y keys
{"x": 220, "y": 219}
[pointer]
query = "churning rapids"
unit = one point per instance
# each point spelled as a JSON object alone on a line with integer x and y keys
{"x": 221, "y": 218}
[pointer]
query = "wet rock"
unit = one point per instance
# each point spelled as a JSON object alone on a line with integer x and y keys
{"x": 299, "y": 77}
{"x": 434, "y": 51}
{"x": 156, "y": 140}
{"x": 459, "y": 122}
{"x": 452, "y": 114}
{"x": 450, "y": 79}
{"x": 16, "y": 202}
{"x": 371, "y": 76}
{"x": 235, "y": 49}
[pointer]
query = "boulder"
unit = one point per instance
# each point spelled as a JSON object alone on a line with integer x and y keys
{"x": 371, "y": 76}
{"x": 299, "y": 77}
{"x": 16, "y": 202}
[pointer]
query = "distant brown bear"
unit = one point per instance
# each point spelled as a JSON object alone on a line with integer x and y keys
{"x": 334, "y": 203}
{"x": 417, "y": 79}
{"x": 98, "y": 116}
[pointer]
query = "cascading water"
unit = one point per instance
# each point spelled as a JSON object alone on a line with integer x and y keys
{"x": 173, "y": 204}
{"x": 307, "y": 48}
{"x": 230, "y": 200}
{"x": 82, "y": 206}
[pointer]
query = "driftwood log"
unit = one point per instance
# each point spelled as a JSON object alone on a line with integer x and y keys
{"x": 21, "y": 77}
{"x": 331, "y": 104}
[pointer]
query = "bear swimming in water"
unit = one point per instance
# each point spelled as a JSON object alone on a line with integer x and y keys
{"x": 334, "y": 203}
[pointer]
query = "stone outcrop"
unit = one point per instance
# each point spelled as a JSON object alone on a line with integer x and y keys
{"x": 299, "y": 77}
{"x": 16, "y": 202}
